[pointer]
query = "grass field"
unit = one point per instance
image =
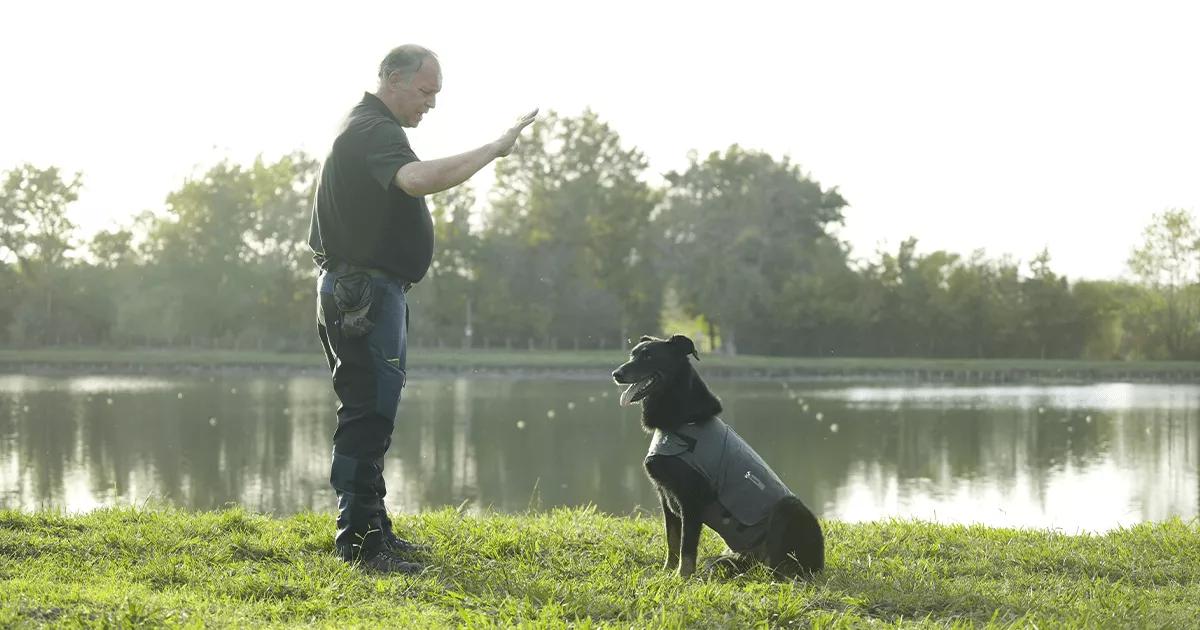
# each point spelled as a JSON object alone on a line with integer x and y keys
{"x": 160, "y": 567}
{"x": 466, "y": 361}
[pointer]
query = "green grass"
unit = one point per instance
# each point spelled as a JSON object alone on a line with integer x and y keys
{"x": 167, "y": 568}
{"x": 599, "y": 360}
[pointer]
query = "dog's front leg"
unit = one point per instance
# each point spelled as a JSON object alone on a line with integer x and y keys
{"x": 690, "y": 541}
{"x": 688, "y": 493}
{"x": 674, "y": 526}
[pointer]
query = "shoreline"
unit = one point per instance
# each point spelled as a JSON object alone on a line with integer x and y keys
{"x": 585, "y": 365}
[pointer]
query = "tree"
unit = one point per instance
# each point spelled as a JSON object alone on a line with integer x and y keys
{"x": 280, "y": 210}
{"x": 820, "y": 312}
{"x": 33, "y": 211}
{"x": 737, "y": 227}
{"x": 36, "y": 235}
{"x": 278, "y": 241}
{"x": 973, "y": 301}
{"x": 913, "y": 313}
{"x": 1168, "y": 261}
{"x": 448, "y": 295}
{"x": 1049, "y": 311}
{"x": 1100, "y": 323}
{"x": 231, "y": 248}
{"x": 571, "y": 216}
{"x": 112, "y": 248}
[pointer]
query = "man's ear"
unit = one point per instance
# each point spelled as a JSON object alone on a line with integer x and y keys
{"x": 396, "y": 80}
{"x": 684, "y": 345}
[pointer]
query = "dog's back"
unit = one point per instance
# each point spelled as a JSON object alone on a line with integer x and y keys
{"x": 745, "y": 488}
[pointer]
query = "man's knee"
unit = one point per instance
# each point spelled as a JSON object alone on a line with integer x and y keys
{"x": 367, "y": 437}
{"x": 355, "y": 476}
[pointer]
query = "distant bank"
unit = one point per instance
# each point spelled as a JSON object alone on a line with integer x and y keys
{"x": 598, "y": 364}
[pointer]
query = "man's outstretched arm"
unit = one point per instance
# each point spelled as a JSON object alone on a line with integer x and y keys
{"x": 426, "y": 177}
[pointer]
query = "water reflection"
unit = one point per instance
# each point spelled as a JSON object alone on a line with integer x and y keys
{"x": 1080, "y": 457}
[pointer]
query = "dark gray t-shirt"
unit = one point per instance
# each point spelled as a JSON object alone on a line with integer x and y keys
{"x": 359, "y": 214}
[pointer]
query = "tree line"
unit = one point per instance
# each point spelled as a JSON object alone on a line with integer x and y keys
{"x": 576, "y": 247}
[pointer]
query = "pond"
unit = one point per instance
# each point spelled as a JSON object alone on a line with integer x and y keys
{"x": 1077, "y": 458}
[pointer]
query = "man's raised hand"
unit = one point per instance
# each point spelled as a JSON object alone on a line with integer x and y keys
{"x": 505, "y": 144}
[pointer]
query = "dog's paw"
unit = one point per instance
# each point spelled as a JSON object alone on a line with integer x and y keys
{"x": 719, "y": 565}
{"x": 687, "y": 567}
{"x": 726, "y": 565}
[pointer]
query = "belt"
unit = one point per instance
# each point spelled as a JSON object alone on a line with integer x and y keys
{"x": 345, "y": 267}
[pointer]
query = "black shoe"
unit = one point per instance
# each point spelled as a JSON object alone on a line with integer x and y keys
{"x": 404, "y": 548}
{"x": 383, "y": 561}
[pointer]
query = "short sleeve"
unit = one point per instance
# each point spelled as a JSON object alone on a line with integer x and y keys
{"x": 386, "y": 151}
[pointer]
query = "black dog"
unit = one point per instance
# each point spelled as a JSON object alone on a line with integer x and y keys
{"x": 706, "y": 474}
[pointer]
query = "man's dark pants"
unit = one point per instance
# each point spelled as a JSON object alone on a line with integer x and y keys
{"x": 368, "y": 374}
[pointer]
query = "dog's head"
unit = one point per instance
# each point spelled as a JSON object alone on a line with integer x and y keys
{"x": 652, "y": 363}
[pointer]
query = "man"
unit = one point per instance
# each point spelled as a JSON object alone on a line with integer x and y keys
{"x": 372, "y": 237}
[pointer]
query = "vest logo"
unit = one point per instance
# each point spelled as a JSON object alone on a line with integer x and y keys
{"x": 754, "y": 480}
{"x": 394, "y": 362}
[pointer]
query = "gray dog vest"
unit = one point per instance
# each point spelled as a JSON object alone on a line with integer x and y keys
{"x": 746, "y": 488}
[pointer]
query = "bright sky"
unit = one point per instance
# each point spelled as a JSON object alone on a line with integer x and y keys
{"x": 1009, "y": 126}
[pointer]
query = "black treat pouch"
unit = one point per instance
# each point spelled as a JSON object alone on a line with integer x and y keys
{"x": 352, "y": 294}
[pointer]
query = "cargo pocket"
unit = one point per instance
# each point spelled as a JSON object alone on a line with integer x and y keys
{"x": 387, "y": 341}
{"x": 388, "y": 385}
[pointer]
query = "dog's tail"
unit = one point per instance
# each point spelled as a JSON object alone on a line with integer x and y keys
{"x": 797, "y": 539}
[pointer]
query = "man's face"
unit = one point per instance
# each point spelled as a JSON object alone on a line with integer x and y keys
{"x": 415, "y": 96}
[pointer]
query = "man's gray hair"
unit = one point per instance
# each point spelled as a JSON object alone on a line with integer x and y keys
{"x": 406, "y": 60}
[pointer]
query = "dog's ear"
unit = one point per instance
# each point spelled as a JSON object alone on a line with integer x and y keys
{"x": 684, "y": 345}
{"x": 646, "y": 338}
